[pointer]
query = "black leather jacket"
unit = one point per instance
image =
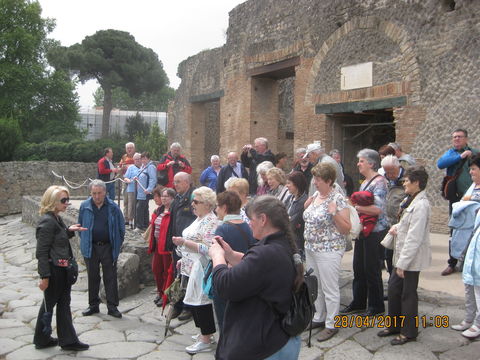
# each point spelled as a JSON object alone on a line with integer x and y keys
{"x": 52, "y": 243}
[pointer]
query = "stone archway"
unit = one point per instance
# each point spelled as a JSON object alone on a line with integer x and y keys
{"x": 409, "y": 86}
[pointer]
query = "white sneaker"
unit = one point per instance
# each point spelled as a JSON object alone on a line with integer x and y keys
{"x": 198, "y": 347}
{"x": 197, "y": 338}
{"x": 471, "y": 333}
{"x": 462, "y": 326}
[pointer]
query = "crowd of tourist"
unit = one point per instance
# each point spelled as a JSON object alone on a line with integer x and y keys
{"x": 256, "y": 223}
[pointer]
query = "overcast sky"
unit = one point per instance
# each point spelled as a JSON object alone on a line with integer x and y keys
{"x": 174, "y": 29}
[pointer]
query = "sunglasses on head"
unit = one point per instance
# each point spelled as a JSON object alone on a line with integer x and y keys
{"x": 65, "y": 200}
{"x": 196, "y": 202}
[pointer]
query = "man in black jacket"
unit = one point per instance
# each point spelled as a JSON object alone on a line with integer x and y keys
{"x": 181, "y": 213}
{"x": 252, "y": 156}
{"x": 234, "y": 168}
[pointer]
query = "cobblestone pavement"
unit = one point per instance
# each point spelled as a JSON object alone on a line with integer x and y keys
{"x": 139, "y": 334}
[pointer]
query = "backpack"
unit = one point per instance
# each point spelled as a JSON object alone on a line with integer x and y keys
{"x": 300, "y": 314}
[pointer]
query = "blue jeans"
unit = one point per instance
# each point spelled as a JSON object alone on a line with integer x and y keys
{"x": 111, "y": 190}
{"x": 290, "y": 351}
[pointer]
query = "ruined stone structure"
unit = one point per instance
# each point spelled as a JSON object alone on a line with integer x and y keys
{"x": 290, "y": 70}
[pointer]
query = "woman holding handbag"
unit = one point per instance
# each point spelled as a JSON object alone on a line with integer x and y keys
{"x": 54, "y": 255}
{"x": 193, "y": 246}
{"x": 411, "y": 254}
{"x": 327, "y": 221}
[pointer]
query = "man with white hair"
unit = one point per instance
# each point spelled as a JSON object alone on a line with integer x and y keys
{"x": 234, "y": 168}
{"x": 405, "y": 159}
{"x": 254, "y": 155}
{"x": 172, "y": 163}
{"x": 125, "y": 162}
{"x": 316, "y": 154}
{"x": 210, "y": 174}
{"x": 394, "y": 173}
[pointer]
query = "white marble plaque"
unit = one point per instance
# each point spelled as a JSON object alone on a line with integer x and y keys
{"x": 356, "y": 76}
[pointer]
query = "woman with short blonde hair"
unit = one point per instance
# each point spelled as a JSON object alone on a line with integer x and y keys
{"x": 276, "y": 180}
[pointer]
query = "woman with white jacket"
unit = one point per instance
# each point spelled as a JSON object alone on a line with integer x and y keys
{"x": 411, "y": 254}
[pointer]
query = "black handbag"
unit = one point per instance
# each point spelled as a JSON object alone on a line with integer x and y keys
{"x": 72, "y": 271}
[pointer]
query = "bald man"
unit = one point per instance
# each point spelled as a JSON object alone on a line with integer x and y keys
{"x": 234, "y": 168}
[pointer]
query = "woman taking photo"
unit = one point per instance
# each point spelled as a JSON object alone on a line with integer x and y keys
{"x": 193, "y": 246}
{"x": 161, "y": 259}
{"x": 411, "y": 254}
{"x": 327, "y": 220}
{"x": 258, "y": 287}
{"x": 54, "y": 253}
{"x": 235, "y": 232}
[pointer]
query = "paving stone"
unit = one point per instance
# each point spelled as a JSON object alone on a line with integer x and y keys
{"x": 310, "y": 353}
{"x": 127, "y": 350}
{"x": 12, "y": 305}
{"x": 469, "y": 352}
{"x": 408, "y": 351}
{"x": 441, "y": 340}
{"x": 29, "y": 352}
{"x": 346, "y": 351}
{"x": 7, "y": 295}
{"x": 26, "y": 314}
{"x": 340, "y": 337}
{"x": 95, "y": 337}
{"x": 9, "y": 345}
{"x": 147, "y": 333}
{"x": 170, "y": 355}
{"x": 127, "y": 322}
{"x": 14, "y": 332}
{"x": 369, "y": 339}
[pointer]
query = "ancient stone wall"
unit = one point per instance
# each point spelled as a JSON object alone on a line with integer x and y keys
{"x": 425, "y": 56}
{"x": 19, "y": 178}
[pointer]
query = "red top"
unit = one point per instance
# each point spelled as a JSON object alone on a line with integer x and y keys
{"x": 162, "y": 238}
{"x": 102, "y": 166}
{"x": 170, "y": 169}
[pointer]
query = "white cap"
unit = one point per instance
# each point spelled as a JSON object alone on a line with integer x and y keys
{"x": 316, "y": 146}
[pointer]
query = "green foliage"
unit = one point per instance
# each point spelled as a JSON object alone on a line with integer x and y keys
{"x": 155, "y": 143}
{"x": 43, "y": 101}
{"x": 136, "y": 125}
{"x": 115, "y": 60}
{"x": 10, "y": 137}
{"x": 157, "y": 101}
{"x": 77, "y": 150}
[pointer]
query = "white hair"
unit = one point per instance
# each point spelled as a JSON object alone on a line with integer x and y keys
{"x": 137, "y": 156}
{"x": 214, "y": 157}
{"x": 262, "y": 168}
{"x": 300, "y": 151}
{"x": 262, "y": 140}
{"x": 390, "y": 160}
{"x": 129, "y": 144}
{"x": 175, "y": 145}
{"x": 207, "y": 195}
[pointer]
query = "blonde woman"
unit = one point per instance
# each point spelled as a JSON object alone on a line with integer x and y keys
{"x": 276, "y": 181}
{"x": 241, "y": 187}
{"x": 193, "y": 246}
{"x": 53, "y": 254}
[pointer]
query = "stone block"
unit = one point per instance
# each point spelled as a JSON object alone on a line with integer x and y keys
{"x": 127, "y": 276}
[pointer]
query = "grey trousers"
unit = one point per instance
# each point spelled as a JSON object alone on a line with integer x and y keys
{"x": 102, "y": 254}
{"x": 472, "y": 304}
{"x": 141, "y": 215}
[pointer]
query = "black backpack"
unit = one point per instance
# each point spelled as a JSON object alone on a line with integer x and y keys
{"x": 300, "y": 314}
{"x": 162, "y": 175}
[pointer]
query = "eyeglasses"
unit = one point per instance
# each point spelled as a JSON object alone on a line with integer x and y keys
{"x": 196, "y": 202}
{"x": 65, "y": 200}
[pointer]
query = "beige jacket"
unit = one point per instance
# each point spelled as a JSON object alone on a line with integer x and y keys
{"x": 412, "y": 244}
